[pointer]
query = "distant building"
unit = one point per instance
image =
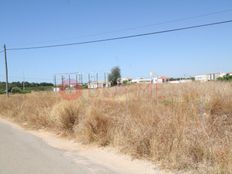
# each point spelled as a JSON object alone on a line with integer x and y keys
{"x": 161, "y": 79}
{"x": 126, "y": 80}
{"x": 99, "y": 84}
{"x": 141, "y": 80}
{"x": 203, "y": 77}
{"x": 56, "y": 89}
{"x": 180, "y": 81}
{"x": 154, "y": 80}
{"x": 209, "y": 77}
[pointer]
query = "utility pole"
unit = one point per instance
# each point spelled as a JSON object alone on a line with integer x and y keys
{"x": 55, "y": 84}
{"x": 23, "y": 86}
{"x": 69, "y": 83}
{"x": 6, "y": 69}
{"x": 89, "y": 79}
{"x": 62, "y": 81}
{"x": 23, "y": 82}
{"x": 104, "y": 80}
{"x": 80, "y": 78}
{"x": 77, "y": 79}
{"x": 97, "y": 79}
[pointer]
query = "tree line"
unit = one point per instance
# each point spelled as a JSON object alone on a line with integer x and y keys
{"x": 25, "y": 87}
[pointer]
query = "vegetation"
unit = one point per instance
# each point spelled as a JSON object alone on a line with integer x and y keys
{"x": 25, "y": 87}
{"x": 227, "y": 77}
{"x": 15, "y": 90}
{"x": 2, "y": 91}
{"x": 114, "y": 76}
{"x": 126, "y": 82}
{"x": 182, "y": 126}
{"x": 181, "y": 78}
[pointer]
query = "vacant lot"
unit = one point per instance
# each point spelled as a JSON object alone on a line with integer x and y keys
{"x": 180, "y": 126}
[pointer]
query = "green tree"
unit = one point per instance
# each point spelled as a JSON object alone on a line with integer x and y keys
{"x": 226, "y": 77}
{"x": 114, "y": 76}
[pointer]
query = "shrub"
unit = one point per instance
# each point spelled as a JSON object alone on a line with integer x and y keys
{"x": 65, "y": 115}
{"x": 95, "y": 127}
{"x": 15, "y": 90}
{"x": 2, "y": 91}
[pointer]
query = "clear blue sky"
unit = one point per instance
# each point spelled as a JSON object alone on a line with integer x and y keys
{"x": 42, "y": 22}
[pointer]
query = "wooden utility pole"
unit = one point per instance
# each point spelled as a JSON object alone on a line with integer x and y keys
{"x": 55, "y": 83}
{"x": 76, "y": 79}
{"x": 89, "y": 79}
{"x": 23, "y": 82}
{"x": 6, "y": 69}
{"x": 69, "y": 82}
{"x": 62, "y": 81}
{"x": 97, "y": 79}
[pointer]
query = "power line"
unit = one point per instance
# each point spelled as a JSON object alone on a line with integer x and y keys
{"x": 1, "y": 51}
{"x": 123, "y": 37}
{"x": 145, "y": 26}
{"x": 179, "y": 19}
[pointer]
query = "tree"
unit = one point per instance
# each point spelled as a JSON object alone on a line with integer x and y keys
{"x": 226, "y": 77}
{"x": 115, "y": 75}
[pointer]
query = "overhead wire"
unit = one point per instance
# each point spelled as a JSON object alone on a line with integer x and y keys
{"x": 145, "y": 26}
{"x": 122, "y": 37}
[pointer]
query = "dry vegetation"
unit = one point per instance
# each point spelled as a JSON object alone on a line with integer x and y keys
{"x": 184, "y": 126}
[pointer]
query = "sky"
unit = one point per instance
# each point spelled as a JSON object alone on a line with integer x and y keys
{"x": 26, "y": 23}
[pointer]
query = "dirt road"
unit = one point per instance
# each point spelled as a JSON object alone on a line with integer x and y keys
{"x": 22, "y": 152}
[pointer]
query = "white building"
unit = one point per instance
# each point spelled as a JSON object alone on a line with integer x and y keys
{"x": 203, "y": 77}
{"x": 180, "y": 81}
{"x": 208, "y": 77}
{"x": 99, "y": 84}
{"x": 154, "y": 80}
{"x": 161, "y": 79}
{"x": 56, "y": 89}
{"x": 141, "y": 80}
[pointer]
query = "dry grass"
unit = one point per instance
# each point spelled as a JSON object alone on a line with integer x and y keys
{"x": 184, "y": 126}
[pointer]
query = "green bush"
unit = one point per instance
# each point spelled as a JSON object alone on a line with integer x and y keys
{"x": 15, "y": 90}
{"x": 26, "y": 91}
{"x": 40, "y": 88}
{"x": 2, "y": 91}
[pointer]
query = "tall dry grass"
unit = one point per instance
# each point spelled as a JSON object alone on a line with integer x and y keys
{"x": 182, "y": 126}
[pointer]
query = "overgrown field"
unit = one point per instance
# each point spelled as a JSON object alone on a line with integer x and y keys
{"x": 182, "y": 126}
